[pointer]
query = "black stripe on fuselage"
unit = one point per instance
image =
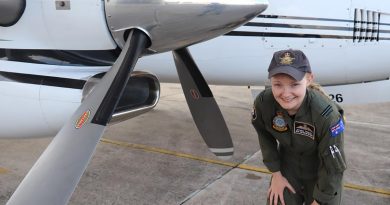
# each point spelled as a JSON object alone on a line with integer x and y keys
{"x": 303, "y": 18}
{"x": 315, "y": 27}
{"x": 300, "y": 26}
{"x": 291, "y": 35}
{"x": 62, "y": 57}
{"x": 42, "y": 80}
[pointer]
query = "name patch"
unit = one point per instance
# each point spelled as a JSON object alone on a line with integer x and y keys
{"x": 337, "y": 128}
{"x": 305, "y": 129}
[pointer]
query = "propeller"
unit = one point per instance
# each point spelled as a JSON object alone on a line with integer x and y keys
{"x": 204, "y": 109}
{"x": 55, "y": 175}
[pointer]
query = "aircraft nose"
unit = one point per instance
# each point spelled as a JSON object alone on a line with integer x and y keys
{"x": 173, "y": 24}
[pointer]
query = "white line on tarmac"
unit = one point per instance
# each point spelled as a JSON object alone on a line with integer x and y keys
{"x": 367, "y": 123}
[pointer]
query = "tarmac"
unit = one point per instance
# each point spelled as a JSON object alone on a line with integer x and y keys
{"x": 160, "y": 157}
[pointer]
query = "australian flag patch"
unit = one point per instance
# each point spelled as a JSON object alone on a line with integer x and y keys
{"x": 337, "y": 128}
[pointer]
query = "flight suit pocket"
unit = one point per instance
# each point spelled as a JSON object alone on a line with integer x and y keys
{"x": 333, "y": 159}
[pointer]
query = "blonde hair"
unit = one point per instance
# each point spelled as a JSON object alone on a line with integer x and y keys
{"x": 318, "y": 87}
{"x": 313, "y": 85}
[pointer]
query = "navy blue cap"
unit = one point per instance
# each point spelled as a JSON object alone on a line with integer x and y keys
{"x": 291, "y": 62}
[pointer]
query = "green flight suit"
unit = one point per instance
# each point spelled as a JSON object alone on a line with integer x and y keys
{"x": 307, "y": 148}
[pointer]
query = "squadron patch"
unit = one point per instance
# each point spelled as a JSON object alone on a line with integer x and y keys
{"x": 337, "y": 128}
{"x": 254, "y": 115}
{"x": 305, "y": 129}
{"x": 287, "y": 58}
{"x": 278, "y": 123}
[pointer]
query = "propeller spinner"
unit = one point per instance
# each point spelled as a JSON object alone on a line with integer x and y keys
{"x": 173, "y": 24}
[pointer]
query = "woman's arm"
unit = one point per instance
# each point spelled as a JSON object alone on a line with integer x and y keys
{"x": 268, "y": 144}
{"x": 332, "y": 160}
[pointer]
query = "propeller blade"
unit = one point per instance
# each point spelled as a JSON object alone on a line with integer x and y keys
{"x": 55, "y": 175}
{"x": 204, "y": 109}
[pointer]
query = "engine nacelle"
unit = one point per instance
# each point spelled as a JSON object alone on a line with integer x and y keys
{"x": 46, "y": 98}
{"x": 141, "y": 94}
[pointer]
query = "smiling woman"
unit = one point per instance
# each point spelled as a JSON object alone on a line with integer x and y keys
{"x": 301, "y": 134}
{"x": 288, "y": 92}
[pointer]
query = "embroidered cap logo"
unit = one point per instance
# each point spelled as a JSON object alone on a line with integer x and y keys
{"x": 287, "y": 58}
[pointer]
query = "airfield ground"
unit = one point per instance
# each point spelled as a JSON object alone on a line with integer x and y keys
{"x": 160, "y": 158}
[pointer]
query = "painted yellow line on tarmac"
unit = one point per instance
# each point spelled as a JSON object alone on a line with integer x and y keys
{"x": 229, "y": 164}
{"x": 164, "y": 151}
{"x": 368, "y": 189}
{"x": 253, "y": 168}
{"x": 3, "y": 170}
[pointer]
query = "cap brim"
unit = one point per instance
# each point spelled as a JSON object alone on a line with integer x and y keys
{"x": 291, "y": 71}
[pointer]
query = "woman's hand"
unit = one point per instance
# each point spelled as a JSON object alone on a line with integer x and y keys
{"x": 278, "y": 184}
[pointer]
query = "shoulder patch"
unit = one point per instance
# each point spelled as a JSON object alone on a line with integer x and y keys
{"x": 338, "y": 128}
{"x": 254, "y": 115}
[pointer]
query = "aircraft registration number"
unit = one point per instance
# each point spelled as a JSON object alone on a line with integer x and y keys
{"x": 336, "y": 97}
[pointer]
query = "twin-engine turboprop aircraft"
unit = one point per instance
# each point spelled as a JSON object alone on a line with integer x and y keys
{"x": 64, "y": 57}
